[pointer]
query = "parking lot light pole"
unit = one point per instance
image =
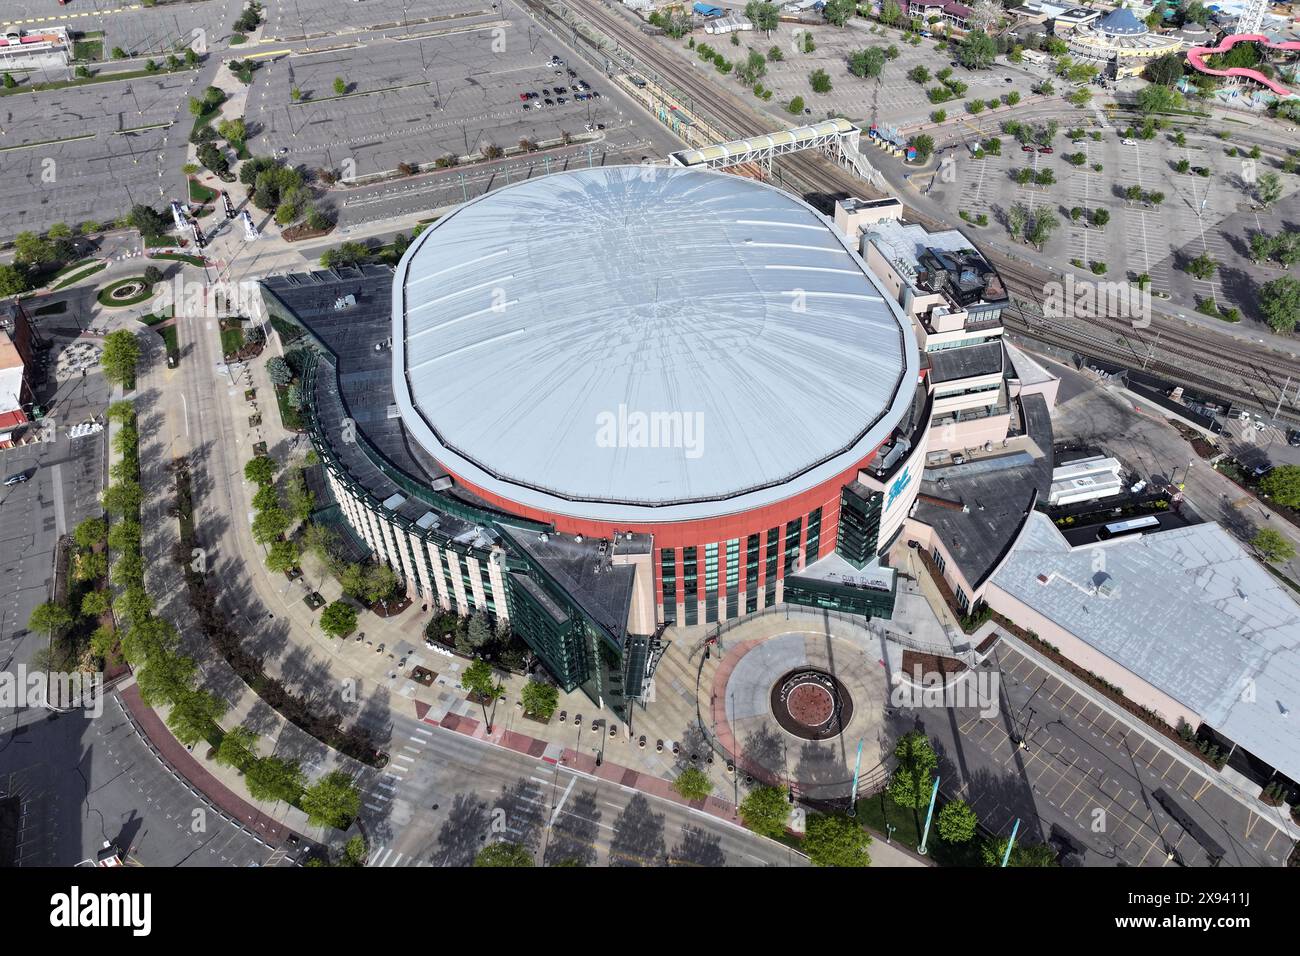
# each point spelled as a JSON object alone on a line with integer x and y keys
{"x": 1006, "y": 855}
{"x": 929, "y": 814}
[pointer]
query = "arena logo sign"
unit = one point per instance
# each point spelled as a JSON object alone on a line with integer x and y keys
{"x": 76, "y": 909}
{"x": 639, "y": 429}
{"x": 57, "y": 690}
{"x": 1088, "y": 299}
{"x": 974, "y": 689}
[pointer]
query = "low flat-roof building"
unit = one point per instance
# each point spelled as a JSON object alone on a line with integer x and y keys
{"x": 1183, "y": 621}
{"x": 1086, "y": 479}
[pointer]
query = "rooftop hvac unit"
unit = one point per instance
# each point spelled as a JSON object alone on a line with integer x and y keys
{"x": 345, "y": 302}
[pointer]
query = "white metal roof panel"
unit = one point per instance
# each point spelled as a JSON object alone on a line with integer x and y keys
{"x": 532, "y": 315}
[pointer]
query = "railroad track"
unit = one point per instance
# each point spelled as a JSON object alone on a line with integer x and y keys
{"x": 1255, "y": 376}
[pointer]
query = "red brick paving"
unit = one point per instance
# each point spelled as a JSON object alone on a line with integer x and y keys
{"x": 586, "y": 763}
{"x": 185, "y": 764}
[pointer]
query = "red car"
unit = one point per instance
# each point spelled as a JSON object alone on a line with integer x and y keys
{"x": 1026, "y": 149}
{"x": 1046, "y": 149}
{"x": 523, "y": 97}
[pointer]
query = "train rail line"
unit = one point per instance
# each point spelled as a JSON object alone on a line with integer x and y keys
{"x": 1199, "y": 359}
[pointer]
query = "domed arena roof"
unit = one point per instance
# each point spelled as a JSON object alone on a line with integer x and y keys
{"x": 645, "y": 343}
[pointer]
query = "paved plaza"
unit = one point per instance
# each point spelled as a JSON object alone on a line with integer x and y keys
{"x": 742, "y": 704}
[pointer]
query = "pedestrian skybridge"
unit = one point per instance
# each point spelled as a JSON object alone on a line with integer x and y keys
{"x": 837, "y": 138}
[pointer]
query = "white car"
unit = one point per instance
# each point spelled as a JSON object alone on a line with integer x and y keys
{"x": 1129, "y": 142}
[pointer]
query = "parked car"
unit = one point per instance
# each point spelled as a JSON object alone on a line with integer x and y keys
{"x": 17, "y": 479}
{"x": 1046, "y": 149}
{"x": 1128, "y": 142}
{"x": 1026, "y": 148}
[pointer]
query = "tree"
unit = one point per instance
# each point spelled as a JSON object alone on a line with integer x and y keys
{"x": 765, "y": 811}
{"x": 269, "y": 524}
{"x": 693, "y": 784}
{"x": 1041, "y": 229}
{"x": 754, "y": 69}
{"x": 957, "y": 822}
{"x": 340, "y": 86}
{"x": 13, "y": 281}
{"x": 339, "y": 619}
{"x": 821, "y": 83}
{"x": 49, "y": 617}
{"x": 764, "y": 16}
{"x": 90, "y": 532}
{"x": 147, "y": 221}
{"x": 504, "y": 854}
{"x": 299, "y": 497}
{"x": 379, "y": 583}
{"x": 539, "y": 699}
{"x": 919, "y": 74}
{"x": 31, "y": 249}
{"x": 277, "y": 369}
{"x": 1022, "y": 854}
{"x": 1272, "y": 546}
{"x": 796, "y": 107}
{"x": 977, "y": 51}
{"x": 120, "y": 356}
{"x": 838, "y": 12}
{"x": 891, "y": 14}
{"x": 480, "y": 681}
{"x": 282, "y": 557}
{"x": 234, "y": 131}
{"x": 260, "y": 470}
{"x": 913, "y": 779}
{"x": 1155, "y": 98}
{"x": 1203, "y": 267}
{"x": 332, "y": 801}
{"x": 924, "y": 145}
{"x": 1268, "y": 189}
{"x": 274, "y": 778}
{"x": 835, "y": 839}
{"x": 94, "y": 604}
{"x": 122, "y": 498}
{"x": 480, "y": 631}
{"x": 1282, "y": 484}
{"x": 1279, "y": 301}
{"x": 238, "y": 747}
{"x": 868, "y": 62}
{"x": 194, "y": 712}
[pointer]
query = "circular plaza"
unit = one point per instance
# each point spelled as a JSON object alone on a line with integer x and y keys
{"x": 790, "y": 697}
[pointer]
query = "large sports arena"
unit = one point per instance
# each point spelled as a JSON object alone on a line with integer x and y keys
{"x": 605, "y": 402}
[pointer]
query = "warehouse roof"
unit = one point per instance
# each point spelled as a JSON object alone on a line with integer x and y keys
{"x": 645, "y": 343}
{"x": 1189, "y": 612}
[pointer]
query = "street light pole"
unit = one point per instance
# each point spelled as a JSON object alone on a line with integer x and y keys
{"x": 929, "y": 814}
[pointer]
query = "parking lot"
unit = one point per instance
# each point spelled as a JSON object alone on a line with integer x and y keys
{"x": 416, "y": 100}
{"x": 127, "y": 24}
{"x": 891, "y": 98}
{"x": 1212, "y": 215}
{"x": 91, "y": 152}
{"x": 1087, "y": 780}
